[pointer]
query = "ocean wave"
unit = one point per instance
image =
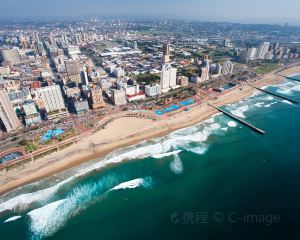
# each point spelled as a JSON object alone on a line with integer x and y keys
{"x": 47, "y": 220}
{"x": 176, "y": 141}
{"x": 146, "y": 182}
{"x": 22, "y": 201}
{"x": 287, "y": 102}
{"x": 12, "y": 219}
{"x": 162, "y": 155}
{"x": 176, "y": 166}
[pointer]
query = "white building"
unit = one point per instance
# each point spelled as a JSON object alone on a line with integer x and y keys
{"x": 132, "y": 89}
{"x": 263, "y": 50}
{"x": 7, "y": 114}
{"x": 118, "y": 97}
{"x": 227, "y": 67}
{"x": 204, "y": 74}
{"x": 152, "y": 90}
{"x": 119, "y": 72}
{"x": 168, "y": 78}
{"x": 52, "y": 98}
{"x": 251, "y": 54}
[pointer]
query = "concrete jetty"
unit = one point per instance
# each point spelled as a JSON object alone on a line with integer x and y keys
{"x": 238, "y": 119}
{"x": 276, "y": 95}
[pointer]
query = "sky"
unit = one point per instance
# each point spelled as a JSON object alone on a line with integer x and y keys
{"x": 244, "y": 11}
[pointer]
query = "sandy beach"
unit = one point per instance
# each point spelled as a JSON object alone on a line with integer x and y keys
{"x": 126, "y": 131}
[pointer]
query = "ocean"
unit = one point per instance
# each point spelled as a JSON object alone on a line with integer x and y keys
{"x": 217, "y": 179}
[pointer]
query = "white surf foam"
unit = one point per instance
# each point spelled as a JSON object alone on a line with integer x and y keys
{"x": 176, "y": 165}
{"x": 199, "y": 149}
{"x": 45, "y": 221}
{"x": 259, "y": 104}
{"x": 12, "y": 219}
{"x": 162, "y": 155}
{"x": 284, "y": 91}
{"x": 239, "y": 112}
{"x": 232, "y": 124}
{"x": 296, "y": 88}
{"x": 129, "y": 185}
{"x": 269, "y": 105}
{"x": 287, "y": 102}
{"x": 225, "y": 129}
{"x": 22, "y": 201}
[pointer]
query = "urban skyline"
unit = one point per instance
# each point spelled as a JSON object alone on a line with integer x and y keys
{"x": 220, "y": 11}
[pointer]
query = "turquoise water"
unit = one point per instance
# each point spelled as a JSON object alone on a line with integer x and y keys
{"x": 215, "y": 180}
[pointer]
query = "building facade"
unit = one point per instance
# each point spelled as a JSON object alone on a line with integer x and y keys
{"x": 52, "y": 98}
{"x": 7, "y": 114}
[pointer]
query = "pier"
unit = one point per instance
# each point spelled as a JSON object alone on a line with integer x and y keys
{"x": 238, "y": 119}
{"x": 290, "y": 78}
{"x": 276, "y": 95}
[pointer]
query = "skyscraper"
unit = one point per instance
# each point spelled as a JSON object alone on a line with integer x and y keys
{"x": 252, "y": 53}
{"x": 204, "y": 74}
{"x": 64, "y": 39}
{"x": 263, "y": 50}
{"x": 52, "y": 39}
{"x": 73, "y": 71}
{"x": 37, "y": 37}
{"x": 166, "y": 53}
{"x": 167, "y": 77}
{"x": 7, "y": 114}
{"x": 97, "y": 98}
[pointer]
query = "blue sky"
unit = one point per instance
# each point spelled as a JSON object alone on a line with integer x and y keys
{"x": 246, "y": 11}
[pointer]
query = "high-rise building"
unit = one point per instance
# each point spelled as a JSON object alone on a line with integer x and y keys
{"x": 52, "y": 39}
{"x": 73, "y": 71}
{"x": 8, "y": 116}
{"x": 167, "y": 77}
{"x": 252, "y": 53}
{"x": 166, "y": 49}
{"x": 263, "y": 50}
{"x": 52, "y": 98}
{"x": 166, "y": 53}
{"x": 227, "y": 67}
{"x": 206, "y": 62}
{"x": 64, "y": 39}
{"x": 77, "y": 38}
{"x": 97, "y": 98}
{"x": 119, "y": 97}
{"x": 119, "y": 72}
{"x": 204, "y": 74}
{"x": 37, "y": 37}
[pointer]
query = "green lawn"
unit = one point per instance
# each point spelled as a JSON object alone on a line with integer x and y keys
{"x": 266, "y": 69}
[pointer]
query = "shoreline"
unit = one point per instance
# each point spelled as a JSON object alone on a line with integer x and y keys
{"x": 122, "y": 133}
